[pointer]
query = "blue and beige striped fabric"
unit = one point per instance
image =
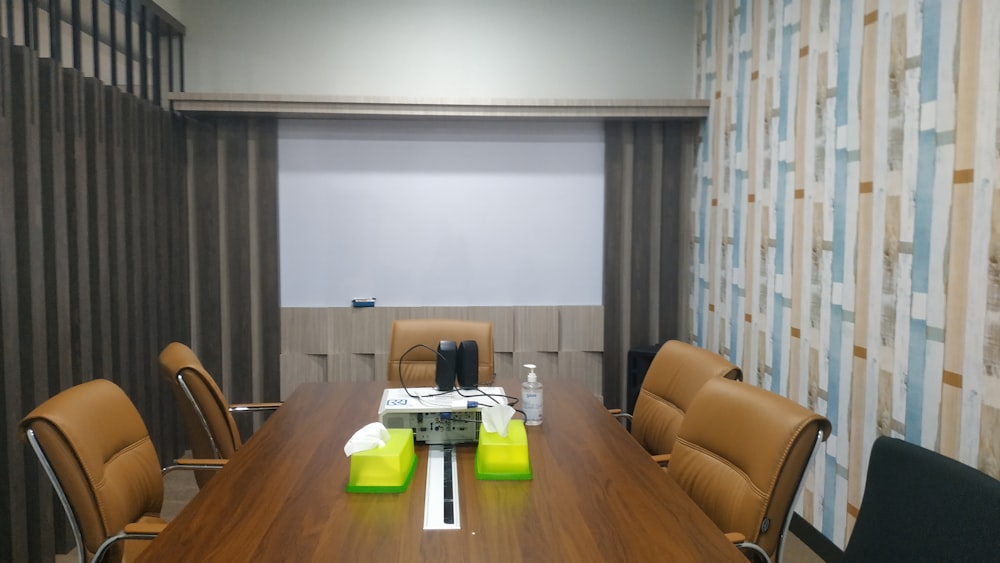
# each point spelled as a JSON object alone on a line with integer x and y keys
{"x": 846, "y": 222}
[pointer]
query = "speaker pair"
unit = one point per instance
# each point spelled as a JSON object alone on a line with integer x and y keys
{"x": 461, "y": 362}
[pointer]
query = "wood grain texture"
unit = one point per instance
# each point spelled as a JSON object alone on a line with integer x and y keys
{"x": 13, "y": 524}
{"x": 356, "y": 341}
{"x": 358, "y": 107}
{"x": 595, "y": 495}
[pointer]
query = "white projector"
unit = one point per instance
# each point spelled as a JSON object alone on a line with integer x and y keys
{"x": 436, "y": 417}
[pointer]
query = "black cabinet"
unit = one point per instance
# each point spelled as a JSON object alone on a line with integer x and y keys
{"x": 638, "y": 363}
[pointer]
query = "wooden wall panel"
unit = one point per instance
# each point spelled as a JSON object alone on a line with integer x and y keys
{"x": 267, "y": 274}
{"x": 77, "y": 227}
{"x": 644, "y": 171}
{"x": 358, "y": 341}
{"x": 32, "y": 307}
{"x": 51, "y": 149}
{"x": 234, "y": 216}
{"x": 13, "y": 522}
{"x": 123, "y": 228}
{"x": 96, "y": 141}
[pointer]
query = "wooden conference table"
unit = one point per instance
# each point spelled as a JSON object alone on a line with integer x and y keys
{"x": 595, "y": 496}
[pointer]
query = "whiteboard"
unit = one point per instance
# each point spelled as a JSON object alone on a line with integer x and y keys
{"x": 440, "y": 212}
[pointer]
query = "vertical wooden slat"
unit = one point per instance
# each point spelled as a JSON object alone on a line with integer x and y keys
{"x": 78, "y": 227}
{"x": 115, "y": 116}
{"x": 670, "y": 218}
{"x": 614, "y": 246}
{"x": 53, "y": 152}
{"x": 97, "y": 147}
{"x": 207, "y": 310}
{"x": 31, "y": 276}
{"x": 137, "y": 369}
{"x": 639, "y": 237}
{"x": 13, "y": 496}
{"x": 268, "y": 270}
{"x": 56, "y": 256}
{"x": 238, "y": 279}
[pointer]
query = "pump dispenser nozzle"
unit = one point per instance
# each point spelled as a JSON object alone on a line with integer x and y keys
{"x": 531, "y": 372}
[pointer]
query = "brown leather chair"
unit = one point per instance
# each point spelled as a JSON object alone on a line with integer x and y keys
{"x": 96, "y": 451}
{"x": 207, "y": 415}
{"x": 741, "y": 454}
{"x": 674, "y": 376}
{"x": 417, "y": 365}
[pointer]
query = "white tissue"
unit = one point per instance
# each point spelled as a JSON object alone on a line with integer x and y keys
{"x": 496, "y": 418}
{"x": 371, "y": 436}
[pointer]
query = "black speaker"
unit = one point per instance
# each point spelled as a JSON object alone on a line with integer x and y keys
{"x": 468, "y": 364}
{"x": 447, "y": 355}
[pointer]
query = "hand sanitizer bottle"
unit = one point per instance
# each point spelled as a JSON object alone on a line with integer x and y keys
{"x": 531, "y": 396}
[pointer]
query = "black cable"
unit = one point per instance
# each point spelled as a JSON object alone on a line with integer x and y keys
{"x": 511, "y": 400}
{"x": 403, "y": 384}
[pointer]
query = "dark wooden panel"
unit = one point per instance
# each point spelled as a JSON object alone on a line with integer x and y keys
{"x": 116, "y": 116}
{"x": 52, "y": 146}
{"x": 204, "y": 213}
{"x": 54, "y": 210}
{"x": 235, "y": 208}
{"x": 670, "y": 235}
{"x": 78, "y": 161}
{"x": 179, "y": 255}
{"x": 31, "y": 279}
{"x": 137, "y": 369}
{"x": 96, "y": 143}
{"x": 13, "y": 498}
{"x": 265, "y": 133}
{"x": 153, "y": 238}
{"x": 78, "y": 227}
{"x": 614, "y": 245}
{"x": 639, "y": 236}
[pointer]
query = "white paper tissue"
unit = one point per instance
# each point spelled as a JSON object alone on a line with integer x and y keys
{"x": 496, "y": 418}
{"x": 370, "y": 436}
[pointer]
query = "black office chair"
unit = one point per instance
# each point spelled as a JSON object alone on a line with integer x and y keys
{"x": 922, "y": 506}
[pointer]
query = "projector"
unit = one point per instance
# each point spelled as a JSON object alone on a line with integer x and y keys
{"x": 436, "y": 417}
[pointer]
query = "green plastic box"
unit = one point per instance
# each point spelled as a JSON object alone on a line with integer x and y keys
{"x": 503, "y": 459}
{"x": 387, "y": 469}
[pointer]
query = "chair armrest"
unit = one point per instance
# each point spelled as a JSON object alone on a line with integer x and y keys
{"x": 735, "y": 537}
{"x": 662, "y": 459}
{"x": 134, "y": 531}
{"x": 614, "y": 411}
{"x": 254, "y": 407}
{"x": 195, "y": 464}
{"x": 144, "y": 528}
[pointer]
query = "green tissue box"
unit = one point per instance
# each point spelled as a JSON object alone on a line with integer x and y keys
{"x": 503, "y": 459}
{"x": 387, "y": 469}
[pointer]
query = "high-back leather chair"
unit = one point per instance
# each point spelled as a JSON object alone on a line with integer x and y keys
{"x": 207, "y": 415}
{"x": 674, "y": 376}
{"x": 419, "y": 365}
{"x": 920, "y": 505}
{"x": 741, "y": 454}
{"x": 94, "y": 447}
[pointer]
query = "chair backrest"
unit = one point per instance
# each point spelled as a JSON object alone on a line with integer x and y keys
{"x": 920, "y": 505}
{"x": 210, "y": 426}
{"x": 741, "y": 454}
{"x": 420, "y": 364}
{"x": 103, "y": 465}
{"x": 675, "y": 375}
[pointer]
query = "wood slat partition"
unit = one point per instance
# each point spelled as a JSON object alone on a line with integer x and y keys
{"x": 646, "y": 165}
{"x": 13, "y": 531}
{"x": 122, "y": 228}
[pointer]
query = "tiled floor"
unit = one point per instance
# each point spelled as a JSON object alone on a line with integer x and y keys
{"x": 179, "y": 487}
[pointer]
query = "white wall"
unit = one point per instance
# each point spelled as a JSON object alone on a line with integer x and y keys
{"x": 433, "y": 49}
{"x": 424, "y": 213}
